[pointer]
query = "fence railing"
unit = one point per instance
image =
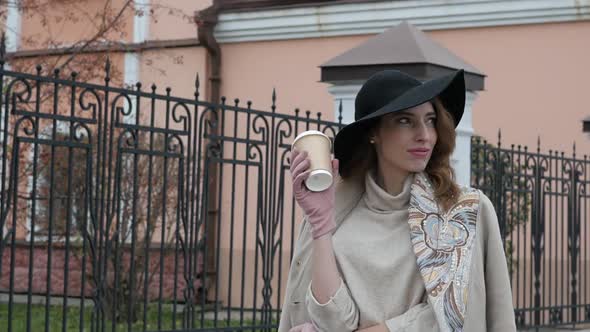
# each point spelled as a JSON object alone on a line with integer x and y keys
{"x": 130, "y": 209}
{"x": 136, "y": 210}
{"x": 543, "y": 207}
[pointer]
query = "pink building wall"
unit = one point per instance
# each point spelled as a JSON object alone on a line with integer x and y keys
{"x": 173, "y": 19}
{"x": 534, "y": 72}
{"x": 536, "y": 82}
{"x": 69, "y": 31}
{"x": 535, "y": 86}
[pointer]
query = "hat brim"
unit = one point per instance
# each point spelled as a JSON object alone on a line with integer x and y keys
{"x": 449, "y": 88}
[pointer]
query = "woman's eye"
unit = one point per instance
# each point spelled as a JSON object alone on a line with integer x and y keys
{"x": 403, "y": 120}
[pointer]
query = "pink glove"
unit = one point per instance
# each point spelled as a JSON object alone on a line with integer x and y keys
{"x": 317, "y": 206}
{"x": 306, "y": 327}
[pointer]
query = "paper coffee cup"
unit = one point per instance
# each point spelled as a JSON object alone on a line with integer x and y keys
{"x": 318, "y": 147}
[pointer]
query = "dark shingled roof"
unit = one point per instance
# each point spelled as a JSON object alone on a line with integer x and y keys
{"x": 403, "y": 47}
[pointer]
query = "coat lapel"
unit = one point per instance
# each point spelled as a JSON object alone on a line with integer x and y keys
{"x": 443, "y": 244}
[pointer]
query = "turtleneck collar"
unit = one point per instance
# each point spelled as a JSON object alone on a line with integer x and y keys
{"x": 379, "y": 200}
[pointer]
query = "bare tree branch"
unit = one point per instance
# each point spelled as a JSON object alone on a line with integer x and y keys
{"x": 100, "y": 33}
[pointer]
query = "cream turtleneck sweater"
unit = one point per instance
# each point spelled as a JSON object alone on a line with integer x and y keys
{"x": 378, "y": 267}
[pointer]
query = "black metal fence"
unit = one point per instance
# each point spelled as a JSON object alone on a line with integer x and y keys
{"x": 134, "y": 210}
{"x": 543, "y": 207}
{"x": 126, "y": 209}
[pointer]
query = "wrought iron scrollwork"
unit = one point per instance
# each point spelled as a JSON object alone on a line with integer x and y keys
{"x": 542, "y": 196}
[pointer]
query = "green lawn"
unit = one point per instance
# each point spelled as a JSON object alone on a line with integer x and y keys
{"x": 19, "y": 319}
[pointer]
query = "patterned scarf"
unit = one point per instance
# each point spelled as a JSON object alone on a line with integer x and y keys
{"x": 443, "y": 244}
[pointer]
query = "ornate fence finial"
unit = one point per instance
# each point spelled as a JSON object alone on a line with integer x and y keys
{"x": 574, "y": 148}
{"x": 197, "y": 86}
{"x": 3, "y": 48}
{"x": 107, "y": 69}
{"x": 340, "y": 112}
{"x": 274, "y": 100}
{"x": 538, "y": 144}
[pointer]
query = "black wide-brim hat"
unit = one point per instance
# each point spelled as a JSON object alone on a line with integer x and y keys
{"x": 391, "y": 91}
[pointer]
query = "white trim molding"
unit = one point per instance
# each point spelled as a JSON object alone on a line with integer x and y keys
{"x": 375, "y": 17}
{"x": 346, "y": 94}
{"x": 13, "y": 27}
{"x": 141, "y": 23}
{"x": 461, "y": 158}
{"x": 131, "y": 74}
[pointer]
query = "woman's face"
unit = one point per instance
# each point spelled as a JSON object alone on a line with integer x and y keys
{"x": 404, "y": 140}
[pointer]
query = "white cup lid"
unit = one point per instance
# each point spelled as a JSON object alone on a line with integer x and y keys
{"x": 312, "y": 132}
{"x": 319, "y": 180}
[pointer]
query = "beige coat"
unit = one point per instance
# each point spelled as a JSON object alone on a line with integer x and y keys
{"x": 479, "y": 287}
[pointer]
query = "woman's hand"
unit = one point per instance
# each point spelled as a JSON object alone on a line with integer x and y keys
{"x": 317, "y": 206}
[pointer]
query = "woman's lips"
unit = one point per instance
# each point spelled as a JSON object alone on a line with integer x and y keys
{"x": 419, "y": 153}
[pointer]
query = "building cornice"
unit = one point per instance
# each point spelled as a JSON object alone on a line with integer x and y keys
{"x": 346, "y": 19}
{"x": 107, "y": 47}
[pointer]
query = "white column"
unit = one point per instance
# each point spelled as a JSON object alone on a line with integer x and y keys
{"x": 132, "y": 60}
{"x": 131, "y": 73}
{"x": 13, "y": 31}
{"x": 130, "y": 78}
{"x": 141, "y": 23}
{"x": 461, "y": 158}
{"x": 13, "y": 27}
{"x": 346, "y": 94}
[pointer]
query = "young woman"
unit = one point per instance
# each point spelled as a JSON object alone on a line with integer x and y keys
{"x": 396, "y": 244}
